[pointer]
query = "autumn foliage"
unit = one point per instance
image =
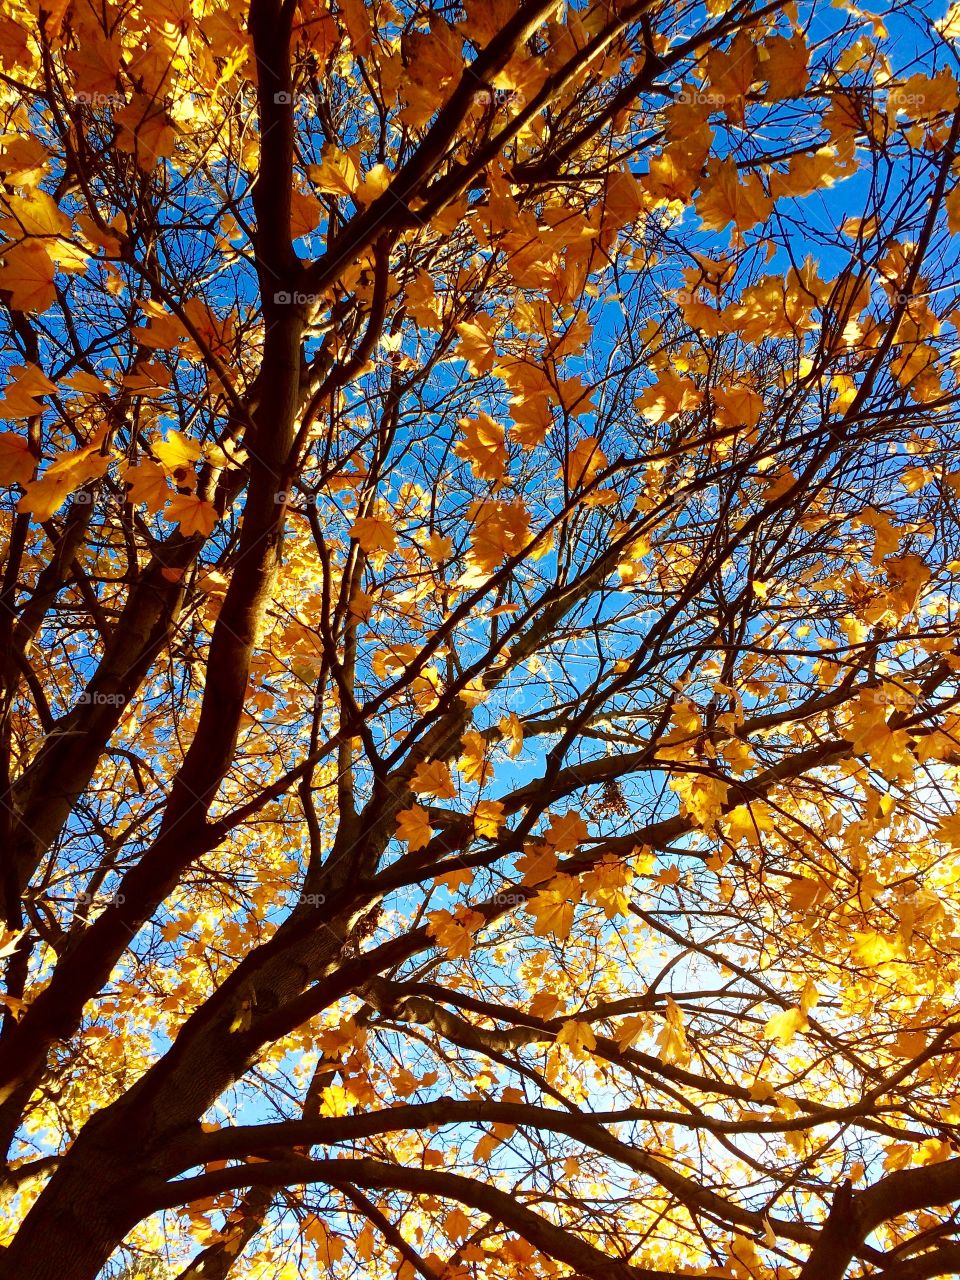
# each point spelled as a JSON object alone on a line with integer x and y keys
{"x": 479, "y": 645}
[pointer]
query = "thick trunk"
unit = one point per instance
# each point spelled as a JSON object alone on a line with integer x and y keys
{"x": 104, "y": 1185}
{"x": 86, "y": 1209}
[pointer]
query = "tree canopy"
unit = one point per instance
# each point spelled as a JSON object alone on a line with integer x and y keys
{"x": 479, "y": 645}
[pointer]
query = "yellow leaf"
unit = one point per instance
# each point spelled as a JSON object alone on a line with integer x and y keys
{"x": 476, "y": 346}
{"x": 16, "y": 1006}
{"x": 702, "y": 797}
{"x": 357, "y": 22}
{"x": 872, "y": 948}
{"x": 335, "y": 1100}
{"x": 577, "y": 1035}
{"x": 488, "y": 818}
{"x": 566, "y": 832}
{"x": 537, "y": 864}
{"x": 432, "y": 778}
{"x": 672, "y": 1041}
{"x": 27, "y": 276}
{"x": 803, "y": 893}
{"x": 731, "y": 73}
{"x": 176, "y": 451}
{"x": 456, "y": 1225}
{"x": 413, "y": 827}
{"x": 147, "y": 483}
{"x": 144, "y": 129}
{"x": 17, "y": 463}
{"x": 724, "y": 198}
{"x": 783, "y": 64}
{"x": 19, "y": 397}
{"x": 785, "y": 1025}
{"x": 553, "y": 907}
{"x": 453, "y": 930}
{"x": 473, "y": 763}
{"x": 193, "y": 514}
{"x": 374, "y": 534}
{"x": 45, "y": 496}
{"x": 512, "y": 730}
{"x": 336, "y": 174}
{"x": 631, "y": 1029}
{"x": 375, "y": 182}
{"x": 583, "y": 462}
{"x": 483, "y": 447}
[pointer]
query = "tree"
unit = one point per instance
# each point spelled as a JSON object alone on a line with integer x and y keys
{"x": 478, "y": 696}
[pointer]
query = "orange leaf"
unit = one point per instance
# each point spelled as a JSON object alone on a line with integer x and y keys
{"x": 27, "y": 275}
{"x": 413, "y": 827}
{"x": 193, "y": 514}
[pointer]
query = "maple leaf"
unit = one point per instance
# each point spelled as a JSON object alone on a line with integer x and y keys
{"x": 731, "y": 73}
{"x": 488, "y": 818}
{"x": 193, "y": 515}
{"x": 538, "y": 863}
{"x": 336, "y": 174}
{"x": 17, "y": 463}
{"x": 453, "y": 931}
{"x": 413, "y": 827}
{"x": 553, "y": 908}
{"x": 783, "y": 64}
{"x": 9, "y": 940}
{"x": 566, "y": 832}
{"x": 329, "y": 1248}
{"x": 608, "y": 885}
{"x": 672, "y": 1040}
{"x": 476, "y": 346}
{"x": 473, "y": 763}
{"x": 702, "y": 797}
{"x": 432, "y": 778}
{"x": 630, "y": 1030}
{"x": 724, "y": 198}
{"x": 583, "y": 462}
{"x": 148, "y": 484}
{"x": 577, "y": 1035}
{"x": 26, "y": 275}
{"x": 96, "y": 65}
{"x": 375, "y": 535}
{"x": 871, "y": 948}
{"x": 44, "y": 496}
{"x": 19, "y": 398}
{"x": 483, "y": 447}
{"x": 176, "y": 452}
{"x": 457, "y": 1226}
{"x": 669, "y": 396}
{"x": 36, "y": 214}
{"x": 145, "y": 130}
{"x": 921, "y": 96}
{"x": 16, "y": 1006}
{"x": 738, "y": 406}
{"x": 512, "y": 730}
{"x": 785, "y": 1025}
{"x": 357, "y": 22}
